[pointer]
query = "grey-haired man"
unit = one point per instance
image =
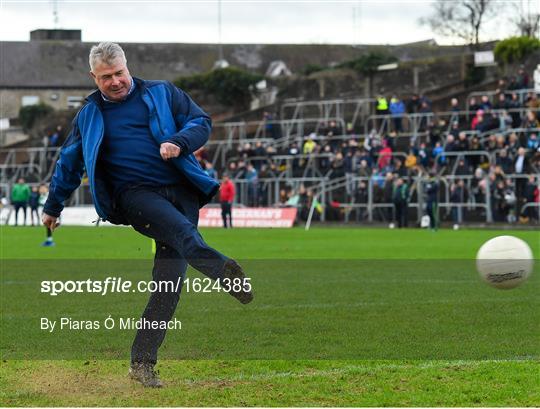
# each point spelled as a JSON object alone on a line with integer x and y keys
{"x": 135, "y": 139}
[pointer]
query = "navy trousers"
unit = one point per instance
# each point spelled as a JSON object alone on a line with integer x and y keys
{"x": 169, "y": 215}
{"x": 433, "y": 213}
{"x": 226, "y": 214}
{"x": 18, "y": 206}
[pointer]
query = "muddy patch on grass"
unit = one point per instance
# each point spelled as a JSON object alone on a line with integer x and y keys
{"x": 69, "y": 384}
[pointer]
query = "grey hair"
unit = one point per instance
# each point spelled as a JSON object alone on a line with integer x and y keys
{"x": 105, "y": 52}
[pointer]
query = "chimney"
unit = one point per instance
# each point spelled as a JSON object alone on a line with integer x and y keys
{"x": 43, "y": 34}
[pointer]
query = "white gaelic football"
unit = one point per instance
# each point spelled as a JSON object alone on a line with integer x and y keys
{"x": 504, "y": 262}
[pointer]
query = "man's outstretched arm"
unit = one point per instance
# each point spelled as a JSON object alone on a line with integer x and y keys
{"x": 66, "y": 178}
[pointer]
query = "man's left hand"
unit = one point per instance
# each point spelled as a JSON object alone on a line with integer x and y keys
{"x": 169, "y": 150}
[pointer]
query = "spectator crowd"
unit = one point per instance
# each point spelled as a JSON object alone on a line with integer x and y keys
{"x": 488, "y": 150}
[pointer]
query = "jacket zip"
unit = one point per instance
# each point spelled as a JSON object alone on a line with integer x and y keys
{"x": 98, "y": 145}
{"x": 154, "y": 113}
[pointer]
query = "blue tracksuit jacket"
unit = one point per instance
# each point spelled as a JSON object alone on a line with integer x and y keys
{"x": 174, "y": 117}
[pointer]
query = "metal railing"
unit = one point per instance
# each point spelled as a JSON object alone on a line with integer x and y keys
{"x": 484, "y": 136}
{"x": 371, "y": 204}
{"x": 287, "y": 129}
{"x": 522, "y": 95}
{"x": 362, "y": 196}
{"x": 28, "y": 163}
{"x": 349, "y": 110}
{"x": 416, "y": 125}
{"x": 266, "y": 191}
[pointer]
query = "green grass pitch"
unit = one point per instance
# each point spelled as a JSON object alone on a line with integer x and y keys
{"x": 342, "y": 317}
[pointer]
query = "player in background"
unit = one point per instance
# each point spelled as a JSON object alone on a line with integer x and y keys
{"x": 226, "y": 198}
{"x": 43, "y": 194}
{"x": 33, "y": 202}
{"x": 20, "y": 194}
{"x": 432, "y": 195}
{"x": 400, "y": 196}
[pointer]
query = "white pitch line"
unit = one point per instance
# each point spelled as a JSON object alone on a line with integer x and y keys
{"x": 353, "y": 369}
{"x": 361, "y": 304}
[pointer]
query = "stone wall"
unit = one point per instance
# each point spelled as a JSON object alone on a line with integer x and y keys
{"x": 430, "y": 76}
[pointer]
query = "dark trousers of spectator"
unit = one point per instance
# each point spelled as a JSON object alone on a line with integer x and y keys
{"x": 273, "y": 132}
{"x": 382, "y": 123}
{"x": 520, "y": 190}
{"x": 531, "y": 212}
{"x": 350, "y": 183}
{"x": 263, "y": 196}
{"x": 169, "y": 215}
{"x": 457, "y": 214}
{"x": 226, "y": 214}
{"x": 398, "y": 124}
{"x": 500, "y": 212}
{"x": 18, "y": 206}
{"x": 433, "y": 213}
{"x": 391, "y": 212}
{"x": 516, "y": 119}
{"x": 253, "y": 195}
{"x": 402, "y": 214}
{"x": 34, "y": 211}
{"x": 422, "y": 125}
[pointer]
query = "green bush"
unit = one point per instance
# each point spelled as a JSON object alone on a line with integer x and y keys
{"x": 367, "y": 64}
{"x": 515, "y": 49}
{"x": 231, "y": 86}
{"x": 29, "y": 114}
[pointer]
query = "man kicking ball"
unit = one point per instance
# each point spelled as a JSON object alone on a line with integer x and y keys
{"x": 135, "y": 139}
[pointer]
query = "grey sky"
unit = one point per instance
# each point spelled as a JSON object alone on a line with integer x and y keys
{"x": 255, "y": 21}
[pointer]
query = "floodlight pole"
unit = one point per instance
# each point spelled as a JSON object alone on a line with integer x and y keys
{"x": 356, "y": 24}
{"x": 359, "y": 23}
{"x": 55, "y": 13}
{"x": 220, "y": 45}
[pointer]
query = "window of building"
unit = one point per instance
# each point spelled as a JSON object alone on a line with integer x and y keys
{"x": 29, "y": 100}
{"x": 4, "y": 123}
{"x": 74, "y": 101}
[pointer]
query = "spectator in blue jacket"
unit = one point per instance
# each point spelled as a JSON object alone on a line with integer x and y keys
{"x": 210, "y": 171}
{"x": 252, "y": 178}
{"x": 135, "y": 139}
{"x": 533, "y": 143}
{"x": 397, "y": 110}
{"x": 438, "y": 154}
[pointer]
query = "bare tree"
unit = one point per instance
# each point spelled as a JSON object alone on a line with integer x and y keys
{"x": 526, "y": 22}
{"x": 459, "y": 18}
{"x": 529, "y": 25}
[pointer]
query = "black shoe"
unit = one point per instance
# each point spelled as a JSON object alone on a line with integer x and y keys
{"x": 145, "y": 374}
{"x": 231, "y": 271}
